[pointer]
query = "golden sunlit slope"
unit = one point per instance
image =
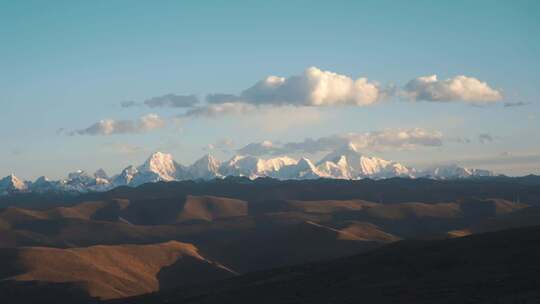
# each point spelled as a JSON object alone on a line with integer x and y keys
{"x": 112, "y": 271}
{"x": 366, "y": 231}
{"x": 159, "y": 212}
{"x": 106, "y": 210}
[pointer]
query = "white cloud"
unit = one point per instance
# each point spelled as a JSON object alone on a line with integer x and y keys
{"x": 314, "y": 87}
{"x": 123, "y": 148}
{"x": 459, "y": 88}
{"x": 261, "y": 148}
{"x": 265, "y": 117}
{"x": 319, "y": 88}
{"x": 402, "y": 139}
{"x": 110, "y": 126}
{"x": 389, "y": 139}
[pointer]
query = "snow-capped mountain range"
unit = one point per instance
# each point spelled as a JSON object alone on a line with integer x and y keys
{"x": 345, "y": 163}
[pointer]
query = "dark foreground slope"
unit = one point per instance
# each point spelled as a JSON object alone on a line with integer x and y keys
{"x": 497, "y": 267}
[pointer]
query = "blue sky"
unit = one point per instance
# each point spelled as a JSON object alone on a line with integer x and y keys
{"x": 65, "y": 66}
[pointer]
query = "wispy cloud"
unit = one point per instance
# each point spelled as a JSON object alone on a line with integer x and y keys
{"x": 516, "y": 104}
{"x": 165, "y": 101}
{"x": 224, "y": 145}
{"x": 485, "y": 138}
{"x": 129, "y": 104}
{"x": 389, "y": 139}
{"x": 110, "y": 126}
{"x": 124, "y": 148}
{"x": 504, "y": 158}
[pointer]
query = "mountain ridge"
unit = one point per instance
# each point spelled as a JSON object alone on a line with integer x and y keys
{"x": 346, "y": 163}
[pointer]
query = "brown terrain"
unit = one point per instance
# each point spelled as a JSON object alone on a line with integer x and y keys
{"x": 181, "y": 239}
{"x": 497, "y": 267}
{"x": 112, "y": 271}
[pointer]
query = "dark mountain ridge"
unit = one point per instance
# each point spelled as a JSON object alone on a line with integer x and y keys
{"x": 393, "y": 190}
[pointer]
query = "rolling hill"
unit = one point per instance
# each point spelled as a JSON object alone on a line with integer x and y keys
{"x": 70, "y": 246}
{"x": 499, "y": 267}
{"x": 110, "y": 271}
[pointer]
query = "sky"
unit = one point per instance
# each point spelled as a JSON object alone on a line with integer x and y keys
{"x": 103, "y": 84}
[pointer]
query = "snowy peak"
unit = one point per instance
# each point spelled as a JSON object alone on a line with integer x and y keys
{"x": 454, "y": 171}
{"x": 42, "y": 180}
{"x": 207, "y": 161}
{"x": 42, "y": 184}
{"x": 125, "y": 177}
{"x": 240, "y": 165}
{"x": 80, "y": 176}
{"x": 160, "y": 164}
{"x": 339, "y": 169}
{"x": 349, "y": 152}
{"x": 11, "y": 183}
{"x": 305, "y": 164}
{"x": 274, "y": 164}
{"x": 100, "y": 173}
{"x": 254, "y": 167}
{"x": 303, "y": 169}
{"x": 207, "y": 167}
{"x": 345, "y": 163}
{"x": 81, "y": 181}
{"x": 349, "y": 163}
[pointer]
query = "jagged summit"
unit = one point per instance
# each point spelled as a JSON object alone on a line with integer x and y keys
{"x": 42, "y": 179}
{"x": 207, "y": 167}
{"x": 100, "y": 173}
{"x": 161, "y": 164}
{"x": 158, "y": 167}
{"x": 125, "y": 177}
{"x": 349, "y": 162}
{"x": 350, "y": 147}
{"x": 454, "y": 171}
{"x": 253, "y": 167}
{"x": 344, "y": 163}
{"x": 11, "y": 183}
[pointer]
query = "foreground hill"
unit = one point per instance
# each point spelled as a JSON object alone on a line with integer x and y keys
{"x": 499, "y": 267}
{"x": 106, "y": 271}
{"x": 48, "y": 242}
